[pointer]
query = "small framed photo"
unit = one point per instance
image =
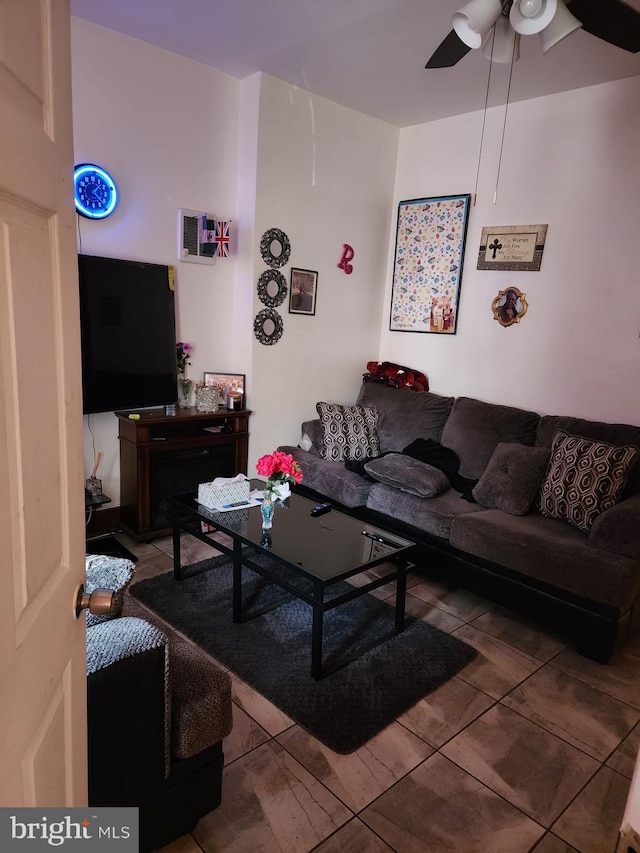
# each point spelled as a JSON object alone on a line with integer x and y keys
{"x": 302, "y": 293}
{"x": 228, "y": 384}
{"x": 509, "y": 306}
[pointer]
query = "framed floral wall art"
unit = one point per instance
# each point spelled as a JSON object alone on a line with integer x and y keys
{"x": 427, "y": 271}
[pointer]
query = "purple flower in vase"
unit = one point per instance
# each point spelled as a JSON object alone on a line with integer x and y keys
{"x": 183, "y": 351}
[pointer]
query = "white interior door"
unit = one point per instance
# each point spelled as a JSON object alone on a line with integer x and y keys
{"x": 42, "y": 644}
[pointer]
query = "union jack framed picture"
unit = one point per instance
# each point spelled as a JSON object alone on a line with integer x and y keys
{"x": 221, "y": 237}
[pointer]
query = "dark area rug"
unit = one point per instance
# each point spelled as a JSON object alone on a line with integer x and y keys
{"x": 272, "y": 652}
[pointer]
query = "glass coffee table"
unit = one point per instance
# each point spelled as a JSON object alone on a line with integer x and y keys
{"x": 316, "y": 552}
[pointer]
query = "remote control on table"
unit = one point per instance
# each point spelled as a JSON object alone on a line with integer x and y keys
{"x": 320, "y": 509}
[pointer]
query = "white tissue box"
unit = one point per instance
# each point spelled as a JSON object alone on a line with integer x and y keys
{"x": 215, "y": 496}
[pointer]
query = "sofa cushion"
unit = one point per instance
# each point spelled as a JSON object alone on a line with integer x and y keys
{"x": 512, "y": 478}
{"x": 583, "y": 478}
{"x": 549, "y": 551}
{"x": 430, "y": 515}
{"x": 348, "y": 432}
{"x": 405, "y": 415}
{"x": 409, "y": 475}
{"x": 473, "y": 429}
{"x": 331, "y": 478}
{"x": 619, "y": 434}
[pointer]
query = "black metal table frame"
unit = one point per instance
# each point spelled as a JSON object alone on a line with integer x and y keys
{"x": 315, "y": 599}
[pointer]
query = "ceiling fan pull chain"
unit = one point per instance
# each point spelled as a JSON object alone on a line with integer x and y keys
{"x": 504, "y": 125}
{"x": 484, "y": 119}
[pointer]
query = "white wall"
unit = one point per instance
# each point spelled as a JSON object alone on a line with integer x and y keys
{"x": 177, "y": 134}
{"x": 167, "y": 129}
{"x": 325, "y": 177}
{"x": 571, "y": 161}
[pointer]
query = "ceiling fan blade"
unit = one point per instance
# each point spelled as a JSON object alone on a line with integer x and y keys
{"x": 609, "y": 20}
{"x": 450, "y": 51}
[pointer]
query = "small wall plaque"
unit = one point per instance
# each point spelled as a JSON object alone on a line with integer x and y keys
{"x": 511, "y": 247}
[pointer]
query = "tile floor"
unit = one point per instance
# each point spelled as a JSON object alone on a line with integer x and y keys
{"x": 530, "y": 748}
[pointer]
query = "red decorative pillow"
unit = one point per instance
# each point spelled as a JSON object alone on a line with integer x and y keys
{"x": 396, "y": 376}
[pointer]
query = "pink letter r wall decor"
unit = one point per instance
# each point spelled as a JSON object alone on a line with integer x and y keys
{"x": 347, "y": 255}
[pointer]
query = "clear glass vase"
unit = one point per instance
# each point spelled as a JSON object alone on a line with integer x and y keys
{"x": 184, "y": 392}
{"x": 266, "y": 508}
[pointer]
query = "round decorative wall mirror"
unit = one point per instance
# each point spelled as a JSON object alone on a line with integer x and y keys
{"x": 275, "y": 247}
{"x": 272, "y": 288}
{"x": 267, "y": 326}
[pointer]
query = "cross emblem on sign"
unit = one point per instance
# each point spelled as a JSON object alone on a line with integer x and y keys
{"x": 494, "y": 247}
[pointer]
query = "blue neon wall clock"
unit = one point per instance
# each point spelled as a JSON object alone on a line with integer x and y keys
{"x": 96, "y": 192}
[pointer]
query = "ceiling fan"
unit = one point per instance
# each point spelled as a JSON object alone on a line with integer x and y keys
{"x": 496, "y": 26}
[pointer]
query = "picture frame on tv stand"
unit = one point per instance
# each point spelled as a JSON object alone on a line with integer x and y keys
{"x": 228, "y": 384}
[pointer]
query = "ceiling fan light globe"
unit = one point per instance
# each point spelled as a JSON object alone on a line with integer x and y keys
{"x": 562, "y": 25}
{"x": 474, "y": 20}
{"x": 527, "y": 25}
{"x": 530, "y": 8}
{"x": 502, "y": 43}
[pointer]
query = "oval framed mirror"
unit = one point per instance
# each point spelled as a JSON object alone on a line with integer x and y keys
{"x": 272, "y": 288}
{"x": 268, "y": 327}
{"x": 275, "y": 247}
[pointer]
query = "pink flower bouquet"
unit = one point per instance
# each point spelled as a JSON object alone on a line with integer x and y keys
{"x": 280, "y": 469}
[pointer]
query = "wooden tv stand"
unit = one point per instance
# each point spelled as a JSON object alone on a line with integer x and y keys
{"x": 163, "y": 455}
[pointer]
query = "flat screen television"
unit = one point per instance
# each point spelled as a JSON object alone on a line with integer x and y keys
{"x": 127, "y": 322}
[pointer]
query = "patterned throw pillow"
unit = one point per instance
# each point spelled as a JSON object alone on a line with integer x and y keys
{"x": 583, "y": 479}
{"x": 348, "y": 432}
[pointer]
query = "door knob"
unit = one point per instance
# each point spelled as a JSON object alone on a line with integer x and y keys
{"x": 100, "y": 602}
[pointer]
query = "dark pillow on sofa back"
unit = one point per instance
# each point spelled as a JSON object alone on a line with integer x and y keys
{"x": 474, "y": 429}
{"x": 512, "y": 478}
{"x": 405, "y": 415}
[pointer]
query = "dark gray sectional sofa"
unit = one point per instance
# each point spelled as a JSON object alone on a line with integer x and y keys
{"x": 584, "y": 584}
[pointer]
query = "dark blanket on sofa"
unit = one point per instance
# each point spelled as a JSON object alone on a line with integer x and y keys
{"x": 432, "y": 453}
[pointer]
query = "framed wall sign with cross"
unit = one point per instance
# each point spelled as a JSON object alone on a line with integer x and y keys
{"x": 511, "y": 247}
